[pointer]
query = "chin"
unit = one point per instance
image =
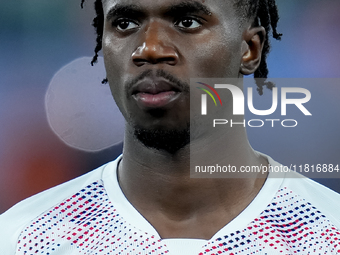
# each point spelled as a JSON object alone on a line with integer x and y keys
{"x": 170, "y": 140}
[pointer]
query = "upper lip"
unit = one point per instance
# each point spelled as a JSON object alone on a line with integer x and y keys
{"x": 154, "y": 85}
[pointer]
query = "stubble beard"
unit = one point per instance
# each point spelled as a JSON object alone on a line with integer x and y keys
{"x": 169, "y": 140}
{"x": 161, "y": 138}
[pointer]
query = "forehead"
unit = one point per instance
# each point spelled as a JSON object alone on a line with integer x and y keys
{"x": 214, "y": 7}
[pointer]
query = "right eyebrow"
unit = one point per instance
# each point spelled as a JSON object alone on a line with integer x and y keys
{"x": 130, "y": 10}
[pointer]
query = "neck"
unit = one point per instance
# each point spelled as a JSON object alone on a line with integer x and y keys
{"x": 159, "y": 186}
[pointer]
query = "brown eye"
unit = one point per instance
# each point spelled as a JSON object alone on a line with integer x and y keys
{"x": 124, "y": 25}
{"x": 188, "y": 23}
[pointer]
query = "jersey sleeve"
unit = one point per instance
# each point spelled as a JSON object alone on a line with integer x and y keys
{"x": 23, "y": 213}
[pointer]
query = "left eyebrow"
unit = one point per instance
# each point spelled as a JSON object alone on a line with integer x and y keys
{"x": 130, "y": 10}
{"x": 187, "y": 7}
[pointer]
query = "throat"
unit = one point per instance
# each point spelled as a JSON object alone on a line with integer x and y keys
{"x": 159, "y": 187}
{"x": 182, "y": 207}
{"x": 200, "y": 217}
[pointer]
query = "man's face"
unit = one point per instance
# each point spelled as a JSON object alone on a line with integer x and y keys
{"x": 153, "y": 47}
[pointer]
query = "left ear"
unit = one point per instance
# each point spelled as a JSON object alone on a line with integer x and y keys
{"x": 252, "y": 45}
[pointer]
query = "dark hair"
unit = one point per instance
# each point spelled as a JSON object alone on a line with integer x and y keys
{"x": 262, "y": 12}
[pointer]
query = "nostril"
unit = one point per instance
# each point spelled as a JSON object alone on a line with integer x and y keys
{"x": 155, "y": 52}
{"x": 164, "y": 60}
{"x": 139, "y": 62}
{"x": 168, "y": 60}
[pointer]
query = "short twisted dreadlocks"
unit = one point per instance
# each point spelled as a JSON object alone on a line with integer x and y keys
{"x": 262, "y": 12}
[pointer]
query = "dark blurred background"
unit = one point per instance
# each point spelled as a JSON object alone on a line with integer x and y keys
{"x": 39, "y": 37}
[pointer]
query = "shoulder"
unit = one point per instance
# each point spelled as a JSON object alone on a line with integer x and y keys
{"x": 322, "y": 198}
{"x": 14, "y": 220}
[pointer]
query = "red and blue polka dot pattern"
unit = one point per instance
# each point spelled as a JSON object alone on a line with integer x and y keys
{"x": 289, "y": 225}
{"x": 88, "y": 223}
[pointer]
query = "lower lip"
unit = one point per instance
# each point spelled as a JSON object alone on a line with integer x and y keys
{"x": 146, "y": 100}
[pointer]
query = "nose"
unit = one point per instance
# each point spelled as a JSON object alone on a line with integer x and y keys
{"x": 156, "y": 47}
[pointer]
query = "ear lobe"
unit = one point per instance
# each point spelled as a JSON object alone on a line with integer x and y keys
{"x": 252, "y": 46}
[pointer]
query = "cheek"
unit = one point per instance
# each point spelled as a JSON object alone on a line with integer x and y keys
{"x": 116, "y": 59}
{"x": 113, "y": 54}
{"x": 114, "y": 68}
{"x": 218, "y": 56}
